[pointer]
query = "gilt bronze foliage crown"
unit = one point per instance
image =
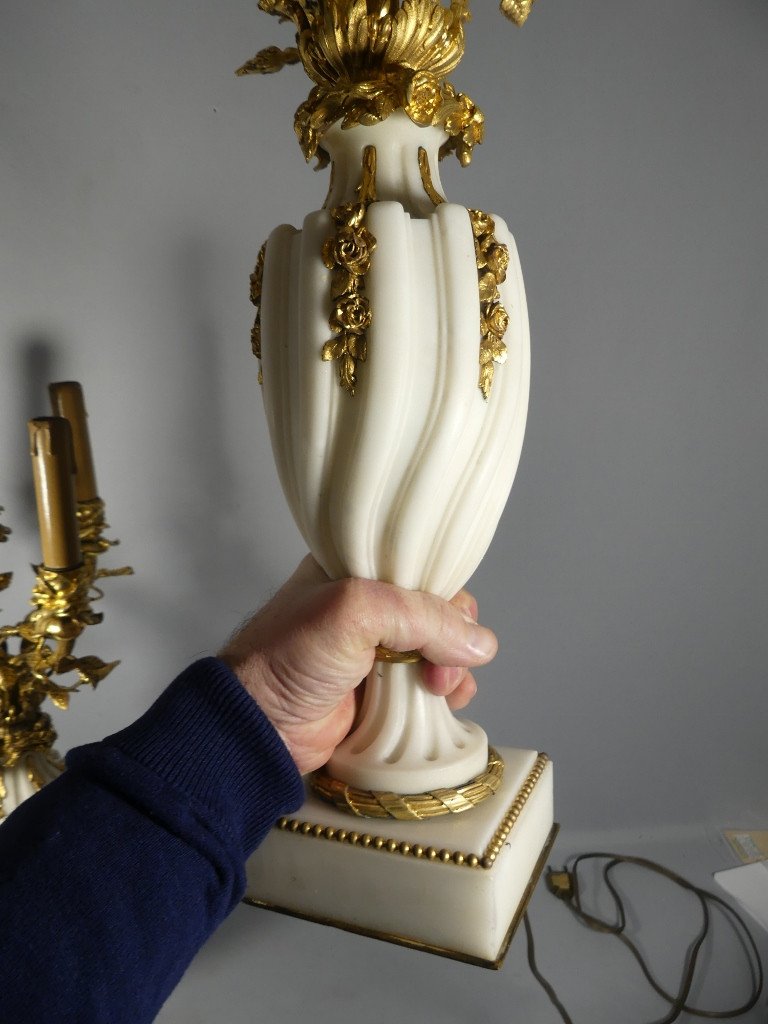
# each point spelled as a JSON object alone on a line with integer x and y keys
{"x": 369, "y": 58}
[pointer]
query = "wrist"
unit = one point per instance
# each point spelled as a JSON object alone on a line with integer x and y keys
{"x": 257, "y": 680}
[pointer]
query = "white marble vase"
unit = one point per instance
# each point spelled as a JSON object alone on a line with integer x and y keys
{"x": 404, "y": 480}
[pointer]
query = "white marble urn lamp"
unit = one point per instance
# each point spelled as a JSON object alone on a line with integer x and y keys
{"x": 392, "y": 334}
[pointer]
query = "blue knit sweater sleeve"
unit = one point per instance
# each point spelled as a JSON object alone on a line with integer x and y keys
{"x": 114, "y": 875}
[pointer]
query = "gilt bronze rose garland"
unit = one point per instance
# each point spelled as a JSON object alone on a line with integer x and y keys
{"x": 347, "y": 254}
{"x": 492, "y": 264}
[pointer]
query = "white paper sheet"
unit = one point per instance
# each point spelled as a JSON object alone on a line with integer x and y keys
{"x": 748, "y": 884}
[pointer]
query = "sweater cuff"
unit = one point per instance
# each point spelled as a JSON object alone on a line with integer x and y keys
{"x": 207, "y": 738}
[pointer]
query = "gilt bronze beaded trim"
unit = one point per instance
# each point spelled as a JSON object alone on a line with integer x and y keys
{"x": 485, "y": 859}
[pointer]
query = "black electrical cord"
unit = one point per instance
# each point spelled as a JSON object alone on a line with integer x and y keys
{"x": 548, "y": 988}
{"x": 565, "y": 886}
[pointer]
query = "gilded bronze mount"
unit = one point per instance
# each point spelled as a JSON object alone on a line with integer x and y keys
{"x": 348, "y": 255}
{"x": 366, "y": 63}
{"x": 364, "y": 803}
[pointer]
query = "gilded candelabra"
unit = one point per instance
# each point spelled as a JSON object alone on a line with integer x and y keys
{"x": 392, "y": 337}
{"x": 39, "y": 649}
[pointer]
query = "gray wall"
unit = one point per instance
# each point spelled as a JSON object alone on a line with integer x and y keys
{"x": 627, "y": 150}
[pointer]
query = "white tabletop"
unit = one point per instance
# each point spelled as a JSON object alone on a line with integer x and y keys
{"x": 262, "y": 966}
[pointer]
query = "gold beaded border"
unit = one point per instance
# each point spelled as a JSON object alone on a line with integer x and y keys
{"x": 484, "y": 860}
{"x": 501, "y": 834}
{"x": 417, "y": 944}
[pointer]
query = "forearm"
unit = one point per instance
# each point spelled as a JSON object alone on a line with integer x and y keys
{"x": 113, "y": 876}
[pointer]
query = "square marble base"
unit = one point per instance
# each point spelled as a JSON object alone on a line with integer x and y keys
{"x": 455, "y": 885}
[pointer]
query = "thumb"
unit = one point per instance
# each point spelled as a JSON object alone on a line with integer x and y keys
{"x": 410, "y": 620}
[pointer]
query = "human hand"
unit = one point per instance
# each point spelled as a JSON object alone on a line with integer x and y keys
{"x": 302, "y": 656}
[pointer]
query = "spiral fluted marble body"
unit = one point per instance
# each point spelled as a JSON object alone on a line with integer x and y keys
{"x": 405, "y": 480}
